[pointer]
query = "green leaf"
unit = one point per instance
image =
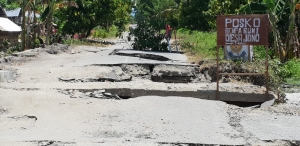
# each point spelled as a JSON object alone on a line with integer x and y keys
{"x": 270, "y": 4}
{"x": 253, "y": 8}
{"x": 45, "y": 13}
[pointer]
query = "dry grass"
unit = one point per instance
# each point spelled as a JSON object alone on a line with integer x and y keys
{"x": 193, "y": 57}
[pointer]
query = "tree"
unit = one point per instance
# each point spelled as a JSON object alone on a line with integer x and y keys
{"x": 3, "y": 3}
{"x": 10, "y": 4}
{"x": 282, "y": 19}
{"x": 151, "y": 17}
{"x": 90, "y": 14}
{"x": 224, "y": 7}
{"x": 292, "y": 40}
{"x": 157, "y": 13}
{"x": 191, "y": 14}
{"x": 24, "y": 6}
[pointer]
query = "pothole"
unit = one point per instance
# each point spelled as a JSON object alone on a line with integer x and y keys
{"x": 141, "y": 55}
{"x": 100, "y": 79}
{"x": 24, "y": 117}
{"x": 245, "y": 104}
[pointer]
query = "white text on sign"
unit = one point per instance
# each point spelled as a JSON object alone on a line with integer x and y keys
{"x": 242, "y": 30}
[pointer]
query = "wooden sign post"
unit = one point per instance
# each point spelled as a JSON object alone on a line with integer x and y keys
{"x": 237, "y": 30}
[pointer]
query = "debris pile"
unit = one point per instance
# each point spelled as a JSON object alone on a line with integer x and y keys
{"x": 24, "y": 56}
{"x": 100, "y": 94}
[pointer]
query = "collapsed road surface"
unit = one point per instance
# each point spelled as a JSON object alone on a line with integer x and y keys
{"x": 87, "y": 95}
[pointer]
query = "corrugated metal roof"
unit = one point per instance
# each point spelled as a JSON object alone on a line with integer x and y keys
{"x": 7, "y": 25}
{"x": 13, "y": 13}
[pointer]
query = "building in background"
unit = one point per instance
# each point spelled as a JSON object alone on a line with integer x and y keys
{"x": 9, "y": 31}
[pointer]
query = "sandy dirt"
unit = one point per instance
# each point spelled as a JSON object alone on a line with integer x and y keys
{"x": 34, "y": 111}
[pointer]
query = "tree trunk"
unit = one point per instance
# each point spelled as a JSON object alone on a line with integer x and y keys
{"x": 49, "y": 30}
{"x": 292, "y": 39}
{"x": 49, "y": 23}
{"x": 279, "y": 51}
{"x": 35, "y": 25}
{"x": 28, "y": 31}
{"x": 23, "y": 39}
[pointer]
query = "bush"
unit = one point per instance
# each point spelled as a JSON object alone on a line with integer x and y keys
{"x": 14, "y": 49}
{"x": 102, "y": 33}
{"x": 288, "y": 72}
{"x": 259, "y": 53}
{"x": 4, "y": 45}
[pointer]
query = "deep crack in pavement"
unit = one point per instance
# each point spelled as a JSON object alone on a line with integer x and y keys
{"x": 71, "y": 96}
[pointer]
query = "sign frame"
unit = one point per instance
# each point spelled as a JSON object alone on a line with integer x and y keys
{"x": 243, "y": 30}
{"x": 235, "y": 25}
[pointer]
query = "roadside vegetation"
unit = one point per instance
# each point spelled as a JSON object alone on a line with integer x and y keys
{"x": 201, "y": 46}
{"x": 52, "y": 20}
{"x": 98, "y": 34}
{"x": 196, "y": 32}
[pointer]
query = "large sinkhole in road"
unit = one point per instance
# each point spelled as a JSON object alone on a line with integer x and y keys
{"x": 175, "y": 80}
{"x": 127, "y": 93}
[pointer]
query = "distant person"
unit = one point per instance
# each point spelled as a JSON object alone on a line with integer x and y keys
{"x": 168, "y": 36}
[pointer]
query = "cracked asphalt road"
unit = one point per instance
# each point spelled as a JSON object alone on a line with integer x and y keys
{"x": 33, "y": 111}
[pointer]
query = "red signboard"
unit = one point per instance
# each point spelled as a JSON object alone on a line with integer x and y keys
{"x": 242, "y": 30}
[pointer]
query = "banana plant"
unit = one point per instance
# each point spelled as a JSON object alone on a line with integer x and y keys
{"x": 292, "y": 43}
{"x": 274, "y": 9}
{"x": 25, "y": 5}
{"x": 47, "y": 15}
{"x": 286, "y": 46}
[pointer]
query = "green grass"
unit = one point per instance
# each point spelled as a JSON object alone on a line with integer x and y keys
{"x": 102, "y": 33}
{"x": 293, "y": 81}
{"x": 290, "y": 71}
{"x": 76, "y": 42}
{"x": 201, "y": 44}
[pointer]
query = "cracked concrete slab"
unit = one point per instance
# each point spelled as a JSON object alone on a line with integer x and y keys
{"x": 6, "y": 75}
{"x": 124, "y": 119}
{"x": 276, "y": 126}
{"x": 145, "y": 120}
